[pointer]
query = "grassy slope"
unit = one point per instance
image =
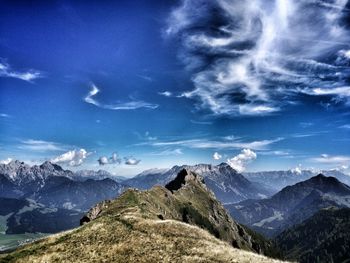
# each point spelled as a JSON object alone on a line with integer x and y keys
{"x": 125, "y": 233}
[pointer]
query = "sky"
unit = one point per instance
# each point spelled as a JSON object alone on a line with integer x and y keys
{"x": 132, "y": 85}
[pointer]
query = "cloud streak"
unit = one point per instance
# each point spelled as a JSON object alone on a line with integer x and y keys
{"x": 7, "y": 72}
{"x": 236, "y": 143}
{"x": 257, "y": 57}
{"x": 130, "y": 105}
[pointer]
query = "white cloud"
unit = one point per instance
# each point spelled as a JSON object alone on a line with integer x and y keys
{"x": 72, "y": 158}
{"x": 342, "y": 93}
{"x": 114, "y": 159}
{"x": 131, "y": 161}
{"x": 165, "y": 93}
{"x": 258, "y": 54}
{"x": 297, "y": 170}
{"x": 345, "y": 126}
{"x": 240, "y": 161}
{"x": 130, "y": 105}
{"x": 338, "y": 160}
{"x": 217, "y": 144}
{"x": 6, "y": 161}
{"x": 4, "y": 115}
{"x": 168, "y": 152}
{"x": 6, "y": 71}
{"x": 40, "y": 145}
{"x": 217, "y": 156}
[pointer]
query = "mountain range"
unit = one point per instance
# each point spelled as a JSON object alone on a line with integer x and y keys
{"x": 228, "y": 185}
{"x": 277, "y": 180}
{"x": 292, "y": 205}
{"x": 181, "y": 222}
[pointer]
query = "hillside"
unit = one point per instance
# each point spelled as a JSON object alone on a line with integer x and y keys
{"x": 292, "y": 205}
{"x": 180, "y": 223}
{"x": 325, "y": 237}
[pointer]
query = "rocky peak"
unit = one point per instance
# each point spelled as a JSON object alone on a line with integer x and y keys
{"x": 182, "y": 178}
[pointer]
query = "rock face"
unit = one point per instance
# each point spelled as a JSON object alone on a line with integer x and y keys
{"x": 227, "y": 185}
{"x": 324, "y": 237}
{"x": 183, "y": 224}
{"x": 291, "y": 205}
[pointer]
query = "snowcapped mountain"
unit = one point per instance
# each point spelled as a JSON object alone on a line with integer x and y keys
{"x": 83, "y": 175}
{"x": 228, "y": 185}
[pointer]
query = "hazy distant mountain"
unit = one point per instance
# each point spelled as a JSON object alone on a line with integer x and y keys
{"x": 83, "y": 175}
{"x": 181, "y": 222}
{"x": 291, "y": 205}
{"x": 62, "y": 192}
{"x": 20, "y": 216}
{"x": 324, "y": 237}
{"x": 227, "y": 185}
{"x": 276, "y": 180}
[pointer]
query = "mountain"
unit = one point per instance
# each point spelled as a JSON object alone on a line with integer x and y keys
{"x": 51, "y": 185}
{"x": 227, "y": 185}
{"x": 83, "y": 175}
{"x": 31, "y": 178}
{"x": 20, "y": 216}
{"x": 182, "y": 222}
{"x": 292, "y": 205}
{"x": 62, "y": 192}
{"x": 276, "y": 180}
{"x": 324, "y": 237}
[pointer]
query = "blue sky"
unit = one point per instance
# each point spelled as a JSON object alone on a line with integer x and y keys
{"x": 131, "y": 85}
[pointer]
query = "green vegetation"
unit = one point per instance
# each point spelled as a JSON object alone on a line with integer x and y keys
{"x": 325, "y": 237}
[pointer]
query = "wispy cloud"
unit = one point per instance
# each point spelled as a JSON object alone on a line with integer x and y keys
{"x": 258, "y": 54}
{"x": 72, "y": 158}
{"x": 332, "y": 159}
{"x": 345, "y": 126}
{"x": 216, "y": 144}
{"x": 40, "y": 145}
{"x": 4, "y": 115}
{"x": 130, "y": 105}
{"x": 166, "y": 93}
{"x": 167, "y": 152}
{"x": 8, "y": 72}
{"x": 201, "y": 122}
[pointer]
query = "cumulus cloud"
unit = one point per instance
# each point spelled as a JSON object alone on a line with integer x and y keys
{"x": 131, "y": 161}
{"x": 217, "y": 156}
{"x": 130, "y": 105}
{"x": 297, "y": 170}
{"x": 6, "y": 161}
{"x": 114, "y": 159}
{"x": 8, "y": 72}
{"x": 256, "y": 57}
{"x": 240, "y": 161}
{"x": 71, "y": 158}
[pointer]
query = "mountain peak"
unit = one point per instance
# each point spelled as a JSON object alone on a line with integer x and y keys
{"x": 47, "y": 165}
{"x": 182, "y": 178}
